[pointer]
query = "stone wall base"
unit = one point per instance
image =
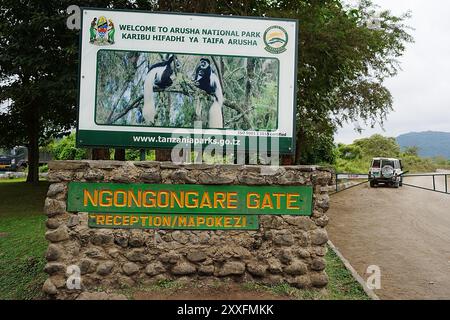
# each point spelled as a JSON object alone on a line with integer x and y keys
{"x": 286, "y": 249}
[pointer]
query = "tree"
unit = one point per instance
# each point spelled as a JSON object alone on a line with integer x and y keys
{"x": 38, "y": 72}
{"x": 357, "y": 157}
{"x": 342, "y": 65}
{"x": 37, "y": 75}
{"x": 411, "y": 151}
{"x": 65, "y": 149}
{"x": 344, "y": 59}
{"x": 349, "y": 152}
{"x": 378, "y": 146}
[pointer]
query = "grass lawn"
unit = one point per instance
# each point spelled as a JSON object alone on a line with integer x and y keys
{"x": 22, "y": 248}
{"x": 22, "y": 242}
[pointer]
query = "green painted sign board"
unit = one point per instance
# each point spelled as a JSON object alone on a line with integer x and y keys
{"x": 189, "y": 199}
{"x": 173, "y": 221}
{"x": 182, "y": 41}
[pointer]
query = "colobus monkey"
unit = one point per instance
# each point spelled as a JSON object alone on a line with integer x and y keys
{"x": 206, "y": 79}
{"x": 160, "y": 77}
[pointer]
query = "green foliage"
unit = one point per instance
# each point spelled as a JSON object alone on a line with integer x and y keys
{"x": 135, "y": 155}
{"x": 132, "y": 155}
{"x": 322, "y": 151}
{"x": 38, "y": 75}
{"x": 353, "y": 166}
{"x": 416, "y": 164}
{"x": 357, "y": 157}
{"x": 342, "y": 66}
{"x": 349, "y": 152}
{"x": 64, "y": 149}
{"x": 442, "y": 162}
{"x": 411, "y": 151}
{"x": 378, "y": 146}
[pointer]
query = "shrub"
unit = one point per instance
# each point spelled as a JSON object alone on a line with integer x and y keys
{"x": 64, "y": 149}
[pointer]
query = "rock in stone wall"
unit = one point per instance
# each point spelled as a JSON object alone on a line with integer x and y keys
{"x": 285, "y": 249}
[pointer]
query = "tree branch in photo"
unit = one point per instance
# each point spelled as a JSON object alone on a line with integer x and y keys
{"x": 219, "y": 71}
{"x": 124, "y": 89}
{"x": 239, "y": 117}
{"x": 135, "y": 104}
{"x": 187, "y": 89}
{"x": 122, "y": 92}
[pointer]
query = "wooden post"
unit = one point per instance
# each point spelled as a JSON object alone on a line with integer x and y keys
{"x": 119, "y": 154}
{"x": 101, "y": 154}
{"x": 163, "y": 154}
{"x": 143, "y": 155}
{"x": 287, "y": 160}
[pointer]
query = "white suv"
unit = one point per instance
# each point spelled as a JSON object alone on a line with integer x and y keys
{"x": 387, "y": 171}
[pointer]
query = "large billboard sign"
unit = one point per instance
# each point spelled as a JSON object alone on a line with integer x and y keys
{"x": 158, "y": 80}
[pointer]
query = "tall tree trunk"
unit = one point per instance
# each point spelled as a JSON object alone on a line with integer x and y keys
{"x": 299, "y": 145}
{"x": 33, "y": 144}
{"x": 165, "y": 154}
{"x": 33, "y": 157}
{"x": 248, "y": 92}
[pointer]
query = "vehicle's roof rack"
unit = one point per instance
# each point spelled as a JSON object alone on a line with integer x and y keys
{"x": 389, "y": 159}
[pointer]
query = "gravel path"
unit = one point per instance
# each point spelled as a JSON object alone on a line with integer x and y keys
{"x": 406, "y": 232}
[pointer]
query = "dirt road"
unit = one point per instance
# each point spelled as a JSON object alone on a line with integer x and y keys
{"x": 406, "y": 232}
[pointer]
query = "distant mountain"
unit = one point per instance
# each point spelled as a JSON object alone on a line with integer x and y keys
{"x": 430, "y": 143}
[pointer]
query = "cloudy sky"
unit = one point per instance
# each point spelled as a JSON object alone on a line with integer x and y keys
{"x": 422, "y": 90}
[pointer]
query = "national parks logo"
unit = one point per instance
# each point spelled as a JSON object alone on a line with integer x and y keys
{"x": 101, "y": 31}
{"x": 276, "y": 39}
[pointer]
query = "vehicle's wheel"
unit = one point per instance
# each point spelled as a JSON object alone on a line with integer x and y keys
{"x": 396, "y": 185}
{"x": 372, "y": 184}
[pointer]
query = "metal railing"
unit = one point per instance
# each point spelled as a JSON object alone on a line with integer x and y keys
{"x": 351, "y": 176}
{"x": 435, "y": 189}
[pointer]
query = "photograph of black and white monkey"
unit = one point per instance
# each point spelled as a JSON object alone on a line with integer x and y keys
{"x": 206, "y": 79}
{"x": 159, "y": 76}
{"x": 175, "y": 90}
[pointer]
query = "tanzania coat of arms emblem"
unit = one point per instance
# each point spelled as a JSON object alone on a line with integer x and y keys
{"x": 102, "y": 31}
